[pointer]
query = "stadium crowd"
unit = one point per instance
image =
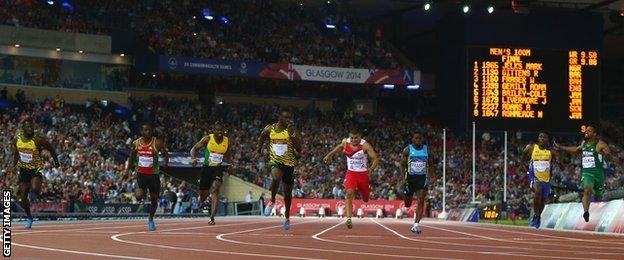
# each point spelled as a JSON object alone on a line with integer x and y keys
{"x": 92, "y": 142}
{"x": 250, "y": 30}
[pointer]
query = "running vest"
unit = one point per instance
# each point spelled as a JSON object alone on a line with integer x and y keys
{"x": 148, "y": 157}
{"x": 417, "y": 161}
{"x": 540, "y": 163}
{"x": 213, "y": 156}
{"x": 281, "y": 150}
{"x": 357, "y": 160}
{"x": 592, "y": 160}
{"x": 29, "y": 154}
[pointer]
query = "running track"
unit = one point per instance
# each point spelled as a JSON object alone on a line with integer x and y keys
{"x": 308, "y": 238}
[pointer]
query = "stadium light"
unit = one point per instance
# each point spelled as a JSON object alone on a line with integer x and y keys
{"x": 329, "y": 2}
{"x": 17, "y": 45}
{"x": 330, "y": 26}
{"x": 413, "y": 87}
{"x": 207, "y": 14}
{"x": 194, "y": 17}
{"x": 50, "y": 2}
{"x": 427, "y": 6}
{"x": 58, "y": 49}
{"x": 81, "y": 51}
{"x": 194, "y": 34}
{"x": 208, "y": 17}
{"x": 466, "y": 9}
{"x": 153, "y": 75}
{"x": 490, "y": 9}
{"x": 388, "y": 86}
{"x": 300, "y": 4}
{"x": 122, "y": 55}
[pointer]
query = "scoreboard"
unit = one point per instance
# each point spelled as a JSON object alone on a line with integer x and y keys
{"x": 516, "y": 88}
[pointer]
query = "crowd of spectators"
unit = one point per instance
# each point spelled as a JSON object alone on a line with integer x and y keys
{"x": 250, "y": 30}
{"x": 91, "y": 141}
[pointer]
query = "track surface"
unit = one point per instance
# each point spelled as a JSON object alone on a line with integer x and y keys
{"x": 308, "y": 238}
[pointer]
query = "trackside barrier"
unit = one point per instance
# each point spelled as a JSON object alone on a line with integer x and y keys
{"x": 399, "y": 214}
{"x": 462, "y": 214}
{"x": 337, "y": 207}
{"x": 360, "y": 213}
{"x": 379, "y": 213}
{"x": 604, "y": 216}
{"x": 321, "y": 212}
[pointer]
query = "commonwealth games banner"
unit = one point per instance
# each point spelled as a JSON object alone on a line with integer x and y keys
{"x": 285, "y": 71}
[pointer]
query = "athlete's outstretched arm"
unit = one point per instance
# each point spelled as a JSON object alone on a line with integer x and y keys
{"x": 371, "y": 152}
{"x": 336, "y": 149}
{"x": 264, "y": 135}
{"x": 569, "y": 149}
{"x": 202, "y": 143}
{"x": 162, "y": 148}
{"x": 15, "y": 155}
{"x": 47, "y": 146}
{"x": 526, "y": 153}
{"x": 404, "y": 156}
{"x": 296, "y": 138}
{"x": 132, "y": 157}
{"x": 603, "y": 148}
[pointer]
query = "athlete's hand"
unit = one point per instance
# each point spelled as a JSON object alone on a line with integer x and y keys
{"x": 194, "y": 162}
{"x": 326, "y": 159}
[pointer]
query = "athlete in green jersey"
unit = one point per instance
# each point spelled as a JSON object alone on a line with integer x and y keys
{"x": 593, "y": 151}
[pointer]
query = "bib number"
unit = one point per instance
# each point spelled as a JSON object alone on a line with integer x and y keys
{"x": 589, "y": 162}
{"x": 417, "y": 167}
{"x": 146, "y": 161}
{"x": 216, "y": 158}
{"x": 356, "y": 165}
{"x": 26, "y": 157}
{"x": 280, "y": 149}
{"x": 541, "y": 166}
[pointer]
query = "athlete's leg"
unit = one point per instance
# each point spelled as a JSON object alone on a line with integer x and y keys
{"x": 36, "y": 182}
{"x": 276, "y": 178}
{"x": 364, "y": 187}
{"x": 24, "y": 189}
{"x": 408, "y": 194}
{"x": 587, "y": 192}
{"x": 350, "y": 196}
{"x": 214, "y": 192}
{"x": 138, "y": 194}
{"x": 538, "y": 201}
{"x": 153, "y": 205}
{"x": 287, "y": 199}
{"x": 421, "y": 204}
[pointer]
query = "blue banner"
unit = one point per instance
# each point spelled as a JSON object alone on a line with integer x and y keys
{"x": 193, "y": 65}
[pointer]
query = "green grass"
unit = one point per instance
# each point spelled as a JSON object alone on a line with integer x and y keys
{"x": 520, "y": 222}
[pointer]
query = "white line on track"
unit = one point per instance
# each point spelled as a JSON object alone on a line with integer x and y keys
{"x": 316, "y": 236}
{"x": 220, "y": 237}
{"x": 550, "y": 236}
{"x": 80, "y": 252}
{"x": 583, "y": 251}
{"x": 116, "y": 238}
{"x": 597, "y": 233}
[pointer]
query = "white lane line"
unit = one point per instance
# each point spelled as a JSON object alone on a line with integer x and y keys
{"x": 116, "y": 238}
{"x": 520, "y": 242}
{"x": 80, "y": 252}
{"x": 220, "y": 237}
{"x": 316, "y": 236}
{"x": 551, "y": 236}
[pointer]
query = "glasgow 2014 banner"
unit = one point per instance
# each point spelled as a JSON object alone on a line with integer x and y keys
{"x": 287, "y": 71}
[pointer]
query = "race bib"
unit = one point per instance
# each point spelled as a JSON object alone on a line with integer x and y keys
{"x": 589, "y": 162}
{"x": 418, "y": 167}
{"x": 280, "y": 149}
{"x": 146, "y": 161}
{"x": 356, "y": 165}
{"x": 541, "y": 166}
{"x": 216, "y": 158}
{"x": 26, "y": 157}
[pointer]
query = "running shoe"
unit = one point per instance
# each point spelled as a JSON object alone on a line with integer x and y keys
{"x": 286, "y": 224}
{"x": 151, "y": 226}
{"x": 29, "y": 223}
{"x": 538, "y": 223}
{"x": 268, "y": 209}
{"x": 533, "y": 223}
{"x": 349, "y": 223}
{"x": 416, "y": 229}
{"x": 586, "y": 216}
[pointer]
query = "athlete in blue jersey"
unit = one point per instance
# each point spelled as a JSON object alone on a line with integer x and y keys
{"x": 414, "y": 164}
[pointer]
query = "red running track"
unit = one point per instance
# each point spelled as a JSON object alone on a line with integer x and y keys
{"x": 308, "y": 238}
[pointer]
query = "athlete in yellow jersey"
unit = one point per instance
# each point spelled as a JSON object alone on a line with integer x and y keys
{"x": 285, "y": 142}
{"x": 27, "y": 159}
{"x": 540, "y": 165}
{"x": 216, "y": 153}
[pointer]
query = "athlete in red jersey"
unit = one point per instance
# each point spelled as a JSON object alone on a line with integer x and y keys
{"x": 355, "y": 149}
{"x": 146, "y": 150}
